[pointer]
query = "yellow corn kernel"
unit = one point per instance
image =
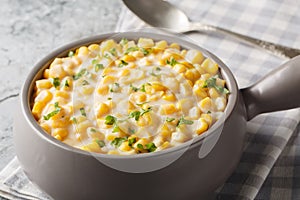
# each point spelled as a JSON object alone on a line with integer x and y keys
{"x": 165, "y": 145}
{"x": 145, "y": 43}
{"x": 57, "y": 71}
{"x": 95, "y": 134}
{"x": 58, "y": 137}
{"x": 207, "y": 118}
{"x": 145, "y": 61}
{"x": 142, "y": 141}
{"x": 128, "y": 58}
{"x": 46, "y": 73}
{"x": 187, "y": 64}
{"x": 103, "y": 109}
{"x": 125, "y": 72}
{"x": 192, "y": 75}
{"x": 220, "y": 103}
{"x": 56, "y": 61}
{"x": 179, "y": 68}
{"x": 43, "y": 84}
{"x": 213, "y": 93}
{"x": 200, "y": 83}
{"x": 103, "y": 89}
{"x": 202, "y": 126}
{"x": 165, "y": 132}
{"x": 113, "y": 152}
{"x": 83, "y": 51}
{"x": 62, "y": 132}
{"x": 190, "y": 83}
{"x": 167, "y": 109}
{"x": 156, "y": 96}
{"x": 145, "y": 120}
{"x": 94, "y": 47}
{"x": 199, "y": 68}
{"x": 44, "y": 96}
{"x": 169, "y": 97}
{"x": 157, "y": 86}
{"x": 110, "y": 137}
{"x": 87, "y": 89}
{"x": 161, "y": 45}
{"x": 183, "y": 52}
{"x": 108, "y": 70}
{"x": 137, "y": 54}
{"x": 92, "y": 147}
{"x": 108, "y": 79}
{"x": 107, "y": 45}
{"x": 76, "y": 60}
{"x": 210, "y": 66}
{"x": 62, "y": 94}
{"x": 205, "y": 104}
{"x": 175, "y": 46}
{"x": 70, "y": 84}
{"x": 125, "y": 147}
{"x": 200, "y": 92}
{"x": 220, "y": 82}
{"x": 46, "y": 127}
{"x": 60, "y": 123}
{"x": 194, "y": 56}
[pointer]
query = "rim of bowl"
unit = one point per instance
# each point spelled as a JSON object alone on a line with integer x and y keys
{"x": 35, "y": 74}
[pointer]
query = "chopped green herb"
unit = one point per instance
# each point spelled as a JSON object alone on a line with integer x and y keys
{"x": 124, "y": 41}
{"x": 109, "y": 98}
{"x": 55, "y": 82}
{"x": 71, "y": 53}
{"x": 135, "y": 89}
{"x": 85, "y": 82}
{"x": 171, "y": 62}
{"x": 82, "y": 111}
{"x": 131, "y": 49}
{"x": 170, "y": 119}
{"x": 94, "y": 61}
{"x": 142, "y": 89}
{"x": 146, "y": 111}
{"x": 158, "y": 69}
{"x": 101, "y": 143}
{"x": 118, "y": 141}
{"x": 79, "y": 74}
{"x": 93, "y": 130}
{"x": 135, "y": 114}
{"x": 66, "y": 84}
{"x": 114, "y": 87}
{"x": 113, "y": 51}
{"x": 140, "y": 146}
{"x": 145, "y": 51}
{"x": 110, "y": 120}
{"x": 131, "y": 131}
{"x": 140, "y": 104}
{"x": 98, "y": 67}
{"x": 122, "y": 64}
{"x": 107, "y": 56}
{"x": 131, "y": 141}
{"x": 55, "y": 112}
{"x": 151, "y": 147}
{"x": 115, "y": 128}
{"x": 212, "y": 83}
{"x": 208, "y": 112}
{"x": 184, "y": 121}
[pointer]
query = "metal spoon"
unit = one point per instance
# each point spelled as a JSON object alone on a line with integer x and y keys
{"x": 164, "y": 15}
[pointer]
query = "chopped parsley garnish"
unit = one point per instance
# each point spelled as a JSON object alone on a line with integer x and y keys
{"x": 212, "y": 83}
{"x": 137, "y": 114}
{"x": 94, "y": 61}
{"x": 158, "y": 69}
{"x": 55, "y": 82}
{"x": 110, "y": 120}
{"x": 146, "y": 111}
{"x": 151, "y": 147}
{"x": 209, "y": 112}
{"x": 124, "y": 41}
{"x": 122, "y": 64}
{"x": 109, "y": 98}
{"x": 143, "y": 88}
{"x": 82, "y": 111}
{"x": 101, "y": 143}
{"x": 131, "y": 49}
{"x": 184, "y": 121}
{"x": 71, "y": 53}
{"x": 113, "y": 51}
{"x": 140, "y": 104}
{"x": 55, "y": 112}
{"x": 67, "y": 84}
{"x": 171, "y": 62}
{"x": 114, "y": 87}
{"x": 98, "y": 67}
{"x": 79, "y": 74}
{"x": 145, "y": 51}
{"x": 140, "y": 146}
{"x": 118, "y": 141}
{"x": 93, "y": 130}
{"x": 131, "y": 141}
{"x": 85, "y": 82}
{"x": 74, "y": 120}
{"x": 170, "y": 119}
{"x": 135, "y": 89}
{"x": 106, "y": 56}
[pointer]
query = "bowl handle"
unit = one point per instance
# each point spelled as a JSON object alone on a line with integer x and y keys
{"x": 279, "y": 90}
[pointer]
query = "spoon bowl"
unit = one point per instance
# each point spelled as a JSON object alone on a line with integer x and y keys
{"x": 161, "y": 14}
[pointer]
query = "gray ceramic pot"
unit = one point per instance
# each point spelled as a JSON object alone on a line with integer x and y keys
{"x": 177, "y": 173}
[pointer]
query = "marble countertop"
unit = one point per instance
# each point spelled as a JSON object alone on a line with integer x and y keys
{"x": 29, "y": 30}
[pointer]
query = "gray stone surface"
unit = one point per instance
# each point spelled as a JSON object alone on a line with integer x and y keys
{"x": 29, "y": 29}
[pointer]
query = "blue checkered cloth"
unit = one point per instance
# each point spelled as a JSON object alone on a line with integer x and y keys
{"x": 270, "y": 165}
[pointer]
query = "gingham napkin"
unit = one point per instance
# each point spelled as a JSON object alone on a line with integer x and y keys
{"x": 272, "y": 139}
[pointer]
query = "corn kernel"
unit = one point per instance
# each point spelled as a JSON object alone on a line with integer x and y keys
{"x": 194, "y": 56}
{"x": 128, "y": 58}
{"x": 108, "y": 70}
{"x": 145, "y": 120}
{"x": 167, "y": 109}
{"x": 46, "y": 127}
{"x": 43, "y": 84}
{"x": 179, "y": 68}
{"x": 213, "y": 93}
{"x": 103, "y": 109}
{"x": 192, "y": 75}
{"x": 83, "y": 51}
{"x": 87, "y": 89}
{"x": 205, "y": 104}
{"x": 169, "y": 97}
{"x": 200, "y": 92}
{"x": 57, "y": 71}
{"x": 124, "y": 146}
{"x": 94, "y": 47}
{"x": 44, "y": 96}
{"x": 58, "y": 137}
{"x": 59, "y": 123}
{"x": 113, "y": 152}
{"x": 108, "y": 79}
{"x": 62, "y": 132}
{"x": 175, "y": 46}
{"x": 92, "y": 147}
{"x": 46, "y": 73}
{"x": 62, "y": 94}
{"x": 161, "y": 45}
{"x": 207, "y": 118}
{"x": 103, "y": 89}
{"x": 210, "y": 66}
{"x": 202, "y": 126}
{"x": 125, "y": 72}
{"x": 145, "y": 43}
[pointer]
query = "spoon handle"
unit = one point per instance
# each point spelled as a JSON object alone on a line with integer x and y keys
{"x": 276, "y": 49}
